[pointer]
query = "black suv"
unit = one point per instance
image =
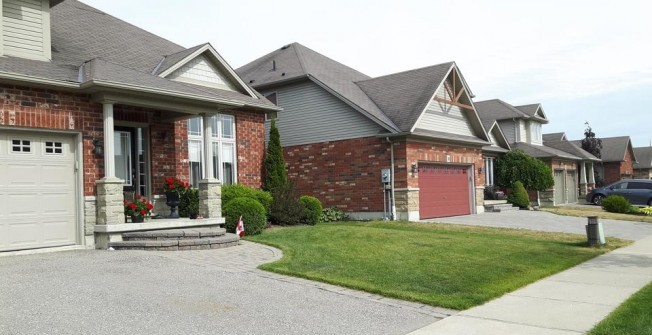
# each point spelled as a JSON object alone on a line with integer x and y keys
{"x": 636, "y": 191}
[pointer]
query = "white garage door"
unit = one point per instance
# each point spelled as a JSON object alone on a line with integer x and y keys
{"x": 37, "y": 190}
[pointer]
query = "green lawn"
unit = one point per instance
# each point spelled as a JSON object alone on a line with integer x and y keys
{"x": 634, "y": 316}
{"x": 584, "y": 211}
{"x": 437, "y": 264}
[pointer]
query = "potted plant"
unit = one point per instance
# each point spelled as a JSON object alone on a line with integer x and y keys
{"x": 174, "y": 188}
{"x": 138, "y": 209}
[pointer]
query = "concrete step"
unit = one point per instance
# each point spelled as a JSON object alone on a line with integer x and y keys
{"x": 174, "y": 234}
{"x": 497, "y": 208}
{"x": 225, "y": 240}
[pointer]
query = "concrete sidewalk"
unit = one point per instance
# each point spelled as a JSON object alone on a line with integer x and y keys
{"x": 570, "y": 302}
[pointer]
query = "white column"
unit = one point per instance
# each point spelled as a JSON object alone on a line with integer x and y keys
{"x": 583, "y": 173}
{"x": 109, "y": 150}
{"x": 208, "y": 147}
{"x": 591, "y": 173}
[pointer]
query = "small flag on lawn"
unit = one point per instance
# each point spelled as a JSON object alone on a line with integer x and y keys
{"x": 239, "y": 229}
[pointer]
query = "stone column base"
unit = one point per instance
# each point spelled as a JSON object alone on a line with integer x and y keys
{"x": 110, "y": 209}
{"x": 210, "y": 198}
{"x": 547, "y": 198}
{"x": 407, "y": 204}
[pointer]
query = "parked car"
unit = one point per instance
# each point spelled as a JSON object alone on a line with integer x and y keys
{"x": 636, "y": 191}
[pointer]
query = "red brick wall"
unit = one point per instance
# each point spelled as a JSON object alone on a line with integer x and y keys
{"x": 432, "y": 152}
{"x": 627, "y": 166}
{"x": 345, "y": 174}
{"x": 250, "y": 132}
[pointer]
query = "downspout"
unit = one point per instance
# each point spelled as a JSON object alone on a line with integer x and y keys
{"x": 391, "y": 154}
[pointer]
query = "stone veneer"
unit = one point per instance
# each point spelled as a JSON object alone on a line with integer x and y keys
{"x": 210, "y": 198}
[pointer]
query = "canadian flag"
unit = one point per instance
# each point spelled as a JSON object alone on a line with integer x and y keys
{"x": 239, "y": 229}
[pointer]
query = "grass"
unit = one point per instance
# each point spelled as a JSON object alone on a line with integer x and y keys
{"x": 595, "y": 211}
{"x": 437, "y": 264}
{"x": 632, "y": 317}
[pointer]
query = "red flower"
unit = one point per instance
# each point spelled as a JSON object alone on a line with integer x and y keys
{"x": 138, "y": 196}
{"x": 169, "y": 180}
{"x": 132, "y": 205}
{"x": 170, "y": 186}
{"x": 143, "y": 212}
{"x": 149, "y": 206}
{"x": 124, "y": 202}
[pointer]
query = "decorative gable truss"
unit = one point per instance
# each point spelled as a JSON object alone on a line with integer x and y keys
{"x": 451, "y": 110}
{"x": 205, "y": 67}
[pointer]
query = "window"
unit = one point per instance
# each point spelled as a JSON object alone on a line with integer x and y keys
{"x": 535, "y": 132}
{"x": 620, "y": 186}
{"x": 21, "y": 146}
{"x": 223, "y": 140}
{"x": 489, "y": 171}
{"x": 53, "y": 148}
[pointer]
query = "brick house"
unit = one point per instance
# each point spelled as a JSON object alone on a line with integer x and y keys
{"x": 93, "y": 107}
{"x": 643, "y": 164}
{"x": 522, "y": 127}
{"x": 406, "y": 145}
{"x": 618, "y": 159}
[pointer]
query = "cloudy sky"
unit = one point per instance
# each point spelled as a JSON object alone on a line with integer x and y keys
{"x": 583, "y": 60}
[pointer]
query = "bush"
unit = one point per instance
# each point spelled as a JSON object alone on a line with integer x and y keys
{"x": 311, "y": 210}
{"x": 286, "y": 209}
{"x": 516, "y": 165}
{"x": 253, "y": 215}
{"x": 616, "y": 204}
{"x": 189, "y": 203}
{"x": 332, "y": 214}
{"x": 519, "y": 196}
{"x": 230, "y": 192}
{"x": 646, "y": 210}
{"x": 276, "y": 175}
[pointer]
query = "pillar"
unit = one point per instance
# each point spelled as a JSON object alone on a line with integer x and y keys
{"x": 583, "y": 188}
{"x": 110, "y": 209}
{"x": 210, "y": 188}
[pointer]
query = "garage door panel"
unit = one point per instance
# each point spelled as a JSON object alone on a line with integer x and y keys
{"x": 443, "y": 191}
{"x": 37, "y": 191}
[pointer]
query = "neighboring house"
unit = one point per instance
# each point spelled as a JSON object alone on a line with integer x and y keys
{"x": 94, "y": 107}
{"x": 618, "y": 159}
{"x": 586, "y": 166}
{"x": 522, "y": 127}
{"x": 341, "y": 129}
{"x": 499, "y": 146}
{"x": 643, "y": 164}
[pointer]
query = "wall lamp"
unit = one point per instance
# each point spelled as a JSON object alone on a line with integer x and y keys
{"x": 479, "y": 170}
{"x": 98, "y": 149}
{"x": 415, "y": 169}
{"x": 165, "y": 136}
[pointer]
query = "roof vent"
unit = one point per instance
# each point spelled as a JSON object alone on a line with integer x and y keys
{"x": 273, "y": 66}
{"x": 251, "y": 81}
{"x": 285, "y": 47}
{"x": 282, "y": 74}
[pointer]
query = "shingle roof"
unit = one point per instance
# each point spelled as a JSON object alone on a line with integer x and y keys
{"x": 112, "y": 50}
{"x": 295, "y": 61}
{"x": 542, "y": 151}
{"x": 170, "y": 60}
{"x": 571, "y": 148}
{"x": 496, "y": 109}
{"x": 613, "y": 148}
{"x": 404, "y": 96}
{"x": 553, "y": 137}
{"x": 644, "y": 157}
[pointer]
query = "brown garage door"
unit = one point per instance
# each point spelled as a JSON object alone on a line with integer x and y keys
{"x": 443, "y": 190}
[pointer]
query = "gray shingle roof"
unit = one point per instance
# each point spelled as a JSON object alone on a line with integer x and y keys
{"x": 295, "y": 61}
{"x": 404, "y": 96}
{"x": 112, "y": 50}
{"x": 553, "y": 137}
{"x": 613, "y": 148}
{"x": 542, "y": 151}
{"x": 571, "y": 148}
{"x": 496, "y": 109}
{"x": 644, "y": 157}
{"x": 170, "y": 60}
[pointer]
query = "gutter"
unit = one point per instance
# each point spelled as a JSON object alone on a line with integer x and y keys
{"x": 391, "y": 152}
{"x": 36, "y": 80}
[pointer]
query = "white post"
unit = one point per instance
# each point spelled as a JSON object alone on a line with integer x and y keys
{"x": 208, "y": 147}
{"x": 583, "y": 173}
{"x": 591, "y": 173}
{"x": 109, "y": 149}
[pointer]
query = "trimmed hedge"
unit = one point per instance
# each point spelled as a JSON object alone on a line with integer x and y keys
{"x": 189, "y": 202}
{"x": 616, "y": 204}
{"x": 253, "y": 215}
{"x": 230, "y": 192}
{"x": 311, "y": 210}
{"x": 519, "y": 196}
{"x": 286, "y": 209}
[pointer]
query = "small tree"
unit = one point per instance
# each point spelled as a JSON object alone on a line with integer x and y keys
{"x": 519, "y": 196}
{"x": 516, "y": 165}
{"x": 590, "y": 143}
{"x": 275, "y": 173}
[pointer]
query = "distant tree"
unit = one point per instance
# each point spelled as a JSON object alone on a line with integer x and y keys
{"x": 516, "y": 165}
{"x": 275, "y": 174}
{"x": 590, "y": 143}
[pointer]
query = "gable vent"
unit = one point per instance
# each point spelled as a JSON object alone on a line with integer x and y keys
{"x": 26, "y": 29}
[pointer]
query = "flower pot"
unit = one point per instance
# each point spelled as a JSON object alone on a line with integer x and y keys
{"x": 172, "y": 199}
{"x": 137, "y": 219}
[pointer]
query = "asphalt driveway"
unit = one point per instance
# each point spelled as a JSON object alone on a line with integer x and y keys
{"x": 544, "y": 221}
{"x": 188, "y": 292}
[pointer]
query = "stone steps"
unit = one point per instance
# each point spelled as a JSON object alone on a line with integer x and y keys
{"x": 497, "y": 208}
{"x": 176, "y": 239}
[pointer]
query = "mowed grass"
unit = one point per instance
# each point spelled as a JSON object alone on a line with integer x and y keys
{"x": 634, "y": 316}
{"x": 595, "y": 211}
{"x": 437, "y": 264}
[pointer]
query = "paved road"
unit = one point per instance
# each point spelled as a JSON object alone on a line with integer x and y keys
{"x": 190, "y": 292}
{"x": 544, "y": 221}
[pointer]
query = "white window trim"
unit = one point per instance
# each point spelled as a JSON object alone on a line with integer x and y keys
{"x": 219, "y": 140}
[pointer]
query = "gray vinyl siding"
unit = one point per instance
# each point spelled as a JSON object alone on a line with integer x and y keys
{"x": 444, "y": 117}
{"x": 492, "y": 139}
{"x": 507, "y": 126}
{"x": 313, "y": 115}
{"x": 26, "y": 28}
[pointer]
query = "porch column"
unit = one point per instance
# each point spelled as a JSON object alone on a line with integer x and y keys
{"x": 210, "y": 189}
{"x": 583, "y": 189}
{"x": 109, "y": 146}
{"x": 591, "y": 173}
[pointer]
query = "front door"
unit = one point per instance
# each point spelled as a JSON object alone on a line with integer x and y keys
{"x": 131, "y": 159}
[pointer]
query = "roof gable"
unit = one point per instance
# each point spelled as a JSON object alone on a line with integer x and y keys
{"x": 534, "y": 111}
{"x": 614, "y": 149}
{"x": 643, "y": 157}
{"x": 497, "y": 133}
{"x": 554, "y": 137}
{"x": 202, "y": 65}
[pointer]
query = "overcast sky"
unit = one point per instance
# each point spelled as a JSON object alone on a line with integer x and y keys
{"x": 583, "y": 60}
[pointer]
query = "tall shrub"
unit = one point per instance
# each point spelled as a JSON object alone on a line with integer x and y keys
{"x": 286, "y": 208}
{"x": 519, "y": 196}
{"x": 275, "y": 173}
{"x": 516, "y": 165}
